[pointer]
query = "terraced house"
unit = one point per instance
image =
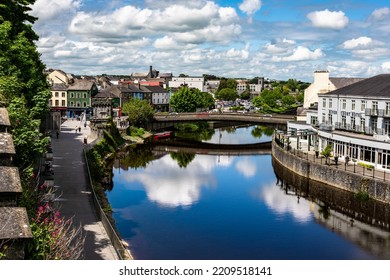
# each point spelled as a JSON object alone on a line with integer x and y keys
{"x": 79, "y": 97}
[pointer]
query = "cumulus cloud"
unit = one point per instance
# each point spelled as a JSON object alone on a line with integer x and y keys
{"x": 48, "y": 9}
{"x": 246, "y": 167}
{"x": 250, "y": 7}
{"x": 209, "y": 23}
{"x": 386, "y": 66}
{"x": 300, "y": 54}
{"x": 279, "y": 46}
{"x": 358, "y": 42}
{"x": 328, "y": 19}
{"x": 380, "y": 14}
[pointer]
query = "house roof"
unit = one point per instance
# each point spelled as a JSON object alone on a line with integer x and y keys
{"x": 10, "y": 180}
{"x": 14, "y": 221}
{"x": 343, "y": 82}
{"x": 81, "y": 85}
{"x": 107, "y": 92}
{"x": 156, "y": 89}
{"x": 4, "y": 118}
{"x": 59, "y": 87}
{"x": 377, "y": 86}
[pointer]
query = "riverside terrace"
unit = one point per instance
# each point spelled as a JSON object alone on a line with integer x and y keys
{"x": 166, "y": 120}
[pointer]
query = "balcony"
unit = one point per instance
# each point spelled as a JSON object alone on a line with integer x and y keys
{"x": 384, "y": 113}
{"x": 372, "y": 112}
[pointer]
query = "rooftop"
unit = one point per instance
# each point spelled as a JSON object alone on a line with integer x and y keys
{"x": 343, "y": 82}
{"x": 81, "y": 85}
{"x": 377, "y": 86}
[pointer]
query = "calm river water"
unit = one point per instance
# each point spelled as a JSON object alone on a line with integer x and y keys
{"x": 187, "y": 206}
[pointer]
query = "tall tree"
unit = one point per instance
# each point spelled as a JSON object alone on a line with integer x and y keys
{"x": 23, "y": 86}
{"x": 139, "y": 111}
{"x": 190, "y": 99}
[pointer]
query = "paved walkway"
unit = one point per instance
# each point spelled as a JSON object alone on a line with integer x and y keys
{"x": 71, "y": 176}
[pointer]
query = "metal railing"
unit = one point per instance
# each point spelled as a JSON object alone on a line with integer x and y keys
{"x": 352, "y": 166}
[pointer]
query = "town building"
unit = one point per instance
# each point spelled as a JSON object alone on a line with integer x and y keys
{"x": 79, "y": 97}
{"x": 191, "y": 82}
{"x": 160, "y": 98}
{"x": 354, "y": 120}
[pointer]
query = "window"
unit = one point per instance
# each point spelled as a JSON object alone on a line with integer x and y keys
{"x": 85, "y": 95}
{"x": 71, "y": 104}
{"x": 84, "y": 104}
{"x": 57, "y": 103}
{"x": 362, "y": 124}
{"x": 343, "y": 121}
{"x": 330, "y": 102}
{"x": 324, "y": 102}
{"x": 353, "y": 126}
{"x": 63, "y": 103}
{"x": 363, "y": 106}
{"x": 387, "y": 108}
{"x": 375, "y": 107}
{"x": 344, "y": 104}
{"x": 353, "y": 105}
{"x": 56, "y": 94}
{"x": 323, "y": 118}
{"x": 313, "y": 120}
{"x": 63, "y": 94}
{"x": 50, "y": 103}
{"x": 330, "y": 118}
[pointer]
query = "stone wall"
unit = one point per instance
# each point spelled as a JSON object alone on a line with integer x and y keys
{"x": 377, "y": 189}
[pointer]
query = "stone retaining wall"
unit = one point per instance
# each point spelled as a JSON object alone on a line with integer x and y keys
{"x": 377, "y": 189}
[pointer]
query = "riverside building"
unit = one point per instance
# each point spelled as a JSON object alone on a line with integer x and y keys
{"x": 354, "y": 119}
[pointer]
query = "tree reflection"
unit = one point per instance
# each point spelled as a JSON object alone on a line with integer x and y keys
{"x": 260, "y": 130}
{"x": 139, "y": 156}
{"x": 194, "y": 131}
{"x": 183, "y": 159}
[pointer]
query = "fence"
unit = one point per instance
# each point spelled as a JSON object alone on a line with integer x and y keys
{"x": 332, "y": 162}
{"x": 123, "y": 253}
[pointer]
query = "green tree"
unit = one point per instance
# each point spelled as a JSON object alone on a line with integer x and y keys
{"x": 189, "y": 99}
{"x": 183, "y": 159}
{"x": 327, "y": 152}
{"x": 139, "y": 111}
{"x": 226, "y": 94}
{"x": 288, "y": 100}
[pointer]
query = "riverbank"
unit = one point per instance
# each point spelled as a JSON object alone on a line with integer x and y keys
{"x": 349, "y": 177}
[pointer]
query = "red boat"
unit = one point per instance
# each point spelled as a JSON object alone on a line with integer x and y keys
{"x": 162, "y": 135}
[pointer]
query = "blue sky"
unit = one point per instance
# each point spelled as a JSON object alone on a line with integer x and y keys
{"x": 246, "y": 38}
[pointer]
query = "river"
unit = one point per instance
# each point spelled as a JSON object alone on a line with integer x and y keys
{"x": 185, "y": 206}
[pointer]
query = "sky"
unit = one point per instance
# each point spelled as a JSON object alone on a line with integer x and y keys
{"x": 241, "y": 39}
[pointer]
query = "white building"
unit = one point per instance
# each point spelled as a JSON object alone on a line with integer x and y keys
{"x": 191, "y": 82}
{"x": 322, "y": 84}
{"x": 354, "y": 119}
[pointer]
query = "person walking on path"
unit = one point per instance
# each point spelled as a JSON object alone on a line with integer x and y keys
{"x": 57, "y": 133}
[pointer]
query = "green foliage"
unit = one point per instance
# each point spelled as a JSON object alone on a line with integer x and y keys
{"x": 183, "y": 159}
{"x": 29, "y": 142}
{"x": 226, "y": 94}
{"x": 288, "y": 100}
{"x": 137, "y": 132}
{"x": 366, "y": 165}
{"x": 227, "y": 83}
{"x": 189, "y": 100}
{"x": 138, "y": 111}
{"x": 194, "y": 131}
{"x": 327, "y": 152}
{"x": 259, "y": 130}
{"x": 362, "y": 195}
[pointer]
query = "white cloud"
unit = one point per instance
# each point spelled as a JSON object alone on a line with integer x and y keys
{"x": 250, "y": 6}
{"x": 359, "y": 42}
{"x": 380, "y": 14}
{"x": 246, "y": 167}
{"x": 280, "y": 46}
{"x": 48, "y": 9}
{"x": 281, "y": 203}
{"x": 386, "y": 66}
{"x": 328, "y": 19}
{"x": 300, "y": 54}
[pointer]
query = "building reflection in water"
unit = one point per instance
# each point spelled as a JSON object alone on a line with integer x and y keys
{"x": 366, "y": 223}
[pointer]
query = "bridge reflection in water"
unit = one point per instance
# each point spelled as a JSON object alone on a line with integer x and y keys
{"x": 197, "y": 147}
{"x": 366, "y": 223}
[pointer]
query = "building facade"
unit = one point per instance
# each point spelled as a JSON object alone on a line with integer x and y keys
{"x": 79, "y": 97}
{"x": 354, "y": 120}
{"x": 191, "y": 82}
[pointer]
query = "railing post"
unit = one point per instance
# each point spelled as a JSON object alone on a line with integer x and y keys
{"x": 373, "y": 172}
{"x": 384, "y": 175}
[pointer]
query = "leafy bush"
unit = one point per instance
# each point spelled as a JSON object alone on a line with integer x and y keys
{"x": 366, "y": 165}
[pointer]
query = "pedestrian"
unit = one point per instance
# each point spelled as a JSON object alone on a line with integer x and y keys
{"x": 57, "y": 133}
{"x": 346, "y": 160}
{"x": 79, "y": 129}
{"x": 75, "y": 130}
